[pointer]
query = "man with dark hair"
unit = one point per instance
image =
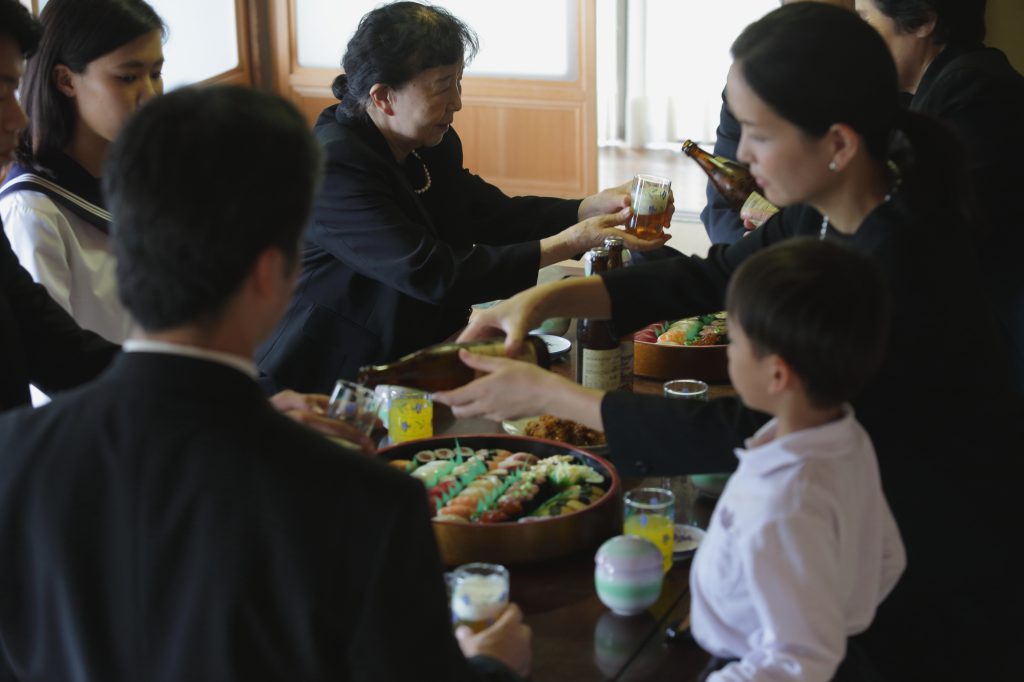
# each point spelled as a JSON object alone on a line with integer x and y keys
{"x": 164, "y": 522}
{"x": 39, "y": 342}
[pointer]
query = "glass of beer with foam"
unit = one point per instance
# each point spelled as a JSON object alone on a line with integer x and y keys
{"x": 479, "y": 594}
{"x": 649, "y": 196}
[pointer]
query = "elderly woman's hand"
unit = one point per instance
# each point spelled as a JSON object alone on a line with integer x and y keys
{"x": 614, "y": 199}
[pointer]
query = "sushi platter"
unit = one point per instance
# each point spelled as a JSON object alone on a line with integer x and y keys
{"x": 691, "y": 348}
{"x": 511, "y": 499}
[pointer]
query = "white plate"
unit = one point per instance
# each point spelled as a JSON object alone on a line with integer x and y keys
{"x": 686, "y": 540}
{"x": 557, "y": 345}
{"x": 517, "y": 427}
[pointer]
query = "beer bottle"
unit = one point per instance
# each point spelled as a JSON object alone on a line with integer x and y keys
{"x": 615, "y": 246}
{"x": 598, "y": 357}
{"x": 733, "y": 182}
{"x": 438, "y": 368}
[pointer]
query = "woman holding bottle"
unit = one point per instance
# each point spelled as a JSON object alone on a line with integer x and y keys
{"x": 887, "y": 182}
{"x": 97, "y": 63}
{"x": 404, "y": 239}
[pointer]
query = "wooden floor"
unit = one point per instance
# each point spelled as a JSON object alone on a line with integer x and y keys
{"x": 616, "y": 165}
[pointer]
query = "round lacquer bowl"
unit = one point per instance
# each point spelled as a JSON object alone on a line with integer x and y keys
{"x": 661, "y": 361}
{"x": 537, "y": 539}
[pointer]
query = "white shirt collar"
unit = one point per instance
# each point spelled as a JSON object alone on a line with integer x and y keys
{"x": 764, "y": 452}
{"x": 244, "y": 365}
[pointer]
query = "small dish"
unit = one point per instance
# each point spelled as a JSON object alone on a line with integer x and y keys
{"x": 686, "y": 541}
{"x": 517, "y": 427}
{"x": 557, "y": 345}
{"x": 710, "y": 485}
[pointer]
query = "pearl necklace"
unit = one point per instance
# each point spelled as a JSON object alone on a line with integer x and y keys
{"x": 897, "y": 180}
{"x": 426, "y": 173}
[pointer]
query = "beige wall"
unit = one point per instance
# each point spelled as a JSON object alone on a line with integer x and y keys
{"x": 1005, "y": 20}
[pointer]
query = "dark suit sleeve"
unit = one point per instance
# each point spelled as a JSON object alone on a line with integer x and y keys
{"x": 362, "y": 220}
{"x": 405, "y": 632}
{"x": 690, "y": 285}
{"x": 651, "y": 434}
{"x": 723, "y": 224}
{"x": 59, "y": 354}
{"x": 508, "y": 220}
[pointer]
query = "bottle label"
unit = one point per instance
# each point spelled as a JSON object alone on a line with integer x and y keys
{"x": 497, "y": 350}
{"x": 602, "y": 369}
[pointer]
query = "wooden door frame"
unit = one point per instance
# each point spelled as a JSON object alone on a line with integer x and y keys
{"x": 297, "y": 83}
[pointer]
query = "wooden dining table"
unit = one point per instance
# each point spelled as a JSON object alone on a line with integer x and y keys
{"x": 576, "y": 637}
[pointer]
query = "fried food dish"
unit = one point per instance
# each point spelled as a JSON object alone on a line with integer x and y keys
{"x": 563, "y": 430}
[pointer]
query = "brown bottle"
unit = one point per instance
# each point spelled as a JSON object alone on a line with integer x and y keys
{"x": 615, "y": 246}
{"x": 732, "y": 180}
{"x": 438, "y": 368}
{"x": 598, "y": 356}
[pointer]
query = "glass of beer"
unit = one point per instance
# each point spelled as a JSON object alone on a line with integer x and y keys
{"x": 650, "y": 513}
{"x": 650, "y": 206}
{"x": 479, "y": 594}
{"x": 410, "y": 414}
{"x": 354, "y": 404}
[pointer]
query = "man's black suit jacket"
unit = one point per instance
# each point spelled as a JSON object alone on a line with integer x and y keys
{"x": 165, "y": 523}
{"x": 39, "y": 342}
{"x": 386, "y": 271}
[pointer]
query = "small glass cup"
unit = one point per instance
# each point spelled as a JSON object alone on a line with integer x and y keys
{"x": 479, "y": 593}
{"x": 650, "y": 513}
{"x": 649, "y": 198}
{"x": 691, "y": 389}
{"x": 410, "y": 414}
{"x": 354, "y": 404}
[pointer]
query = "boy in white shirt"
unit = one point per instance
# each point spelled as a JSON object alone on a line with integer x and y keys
{"x": 802, "y": 546}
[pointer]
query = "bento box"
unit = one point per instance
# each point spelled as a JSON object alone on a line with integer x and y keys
{"x": 692, "y": 348}
{"x": 512, "y": 499}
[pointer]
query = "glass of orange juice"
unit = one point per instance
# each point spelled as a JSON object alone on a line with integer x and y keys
{"x": 650, "y": 513}
{"x": 410, "y": 414}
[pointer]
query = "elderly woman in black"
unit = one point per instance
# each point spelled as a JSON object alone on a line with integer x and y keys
{"x": 404, "y": 239}
{"x": 948, "y": 73}
{"x": 946, "y": 424}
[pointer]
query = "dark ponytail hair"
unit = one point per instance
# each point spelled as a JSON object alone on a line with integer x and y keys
{"x": 396, "y": 42}
{"x": 817, "y": 65}
{"x": 75, "y": 32}
{"x": 957, "y": 22}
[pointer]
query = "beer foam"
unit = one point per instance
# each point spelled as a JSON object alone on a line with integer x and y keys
{"x": 479, "y": 597}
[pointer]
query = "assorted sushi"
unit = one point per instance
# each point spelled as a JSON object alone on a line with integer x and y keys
{"x": 701, "y": 330}
{"x": 495, "y": 485}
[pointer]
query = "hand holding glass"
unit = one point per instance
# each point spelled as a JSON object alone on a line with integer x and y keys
{"x": 354, "y": 404}
{"x": 479, "y": 594}
{"x": 649, "y": 198}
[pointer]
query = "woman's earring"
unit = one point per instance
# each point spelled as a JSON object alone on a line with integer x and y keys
{"x": 833, "y": 166}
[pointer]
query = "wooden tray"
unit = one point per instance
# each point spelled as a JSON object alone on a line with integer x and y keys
{"x": 529, "y": 541}
{"x": 707, "y": 363}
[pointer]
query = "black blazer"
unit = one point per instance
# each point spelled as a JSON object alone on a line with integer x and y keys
{"x": 979, "y": 95}
{"x": 386, "y": 271}
{"x": 39, "y": 342}
{"x": 165, "y": 524}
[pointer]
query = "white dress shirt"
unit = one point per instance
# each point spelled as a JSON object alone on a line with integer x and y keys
{"x": 801, "y": 549}
{"x": 243, "y": 365}
{"x": 68, "y": 256}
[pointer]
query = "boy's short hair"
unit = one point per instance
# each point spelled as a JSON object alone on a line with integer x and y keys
{"x": 821, "y": 306}
{"x": 17, "y": 23}
{"x": 199, "y": 183}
